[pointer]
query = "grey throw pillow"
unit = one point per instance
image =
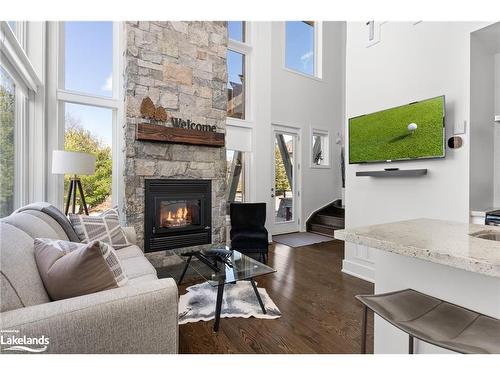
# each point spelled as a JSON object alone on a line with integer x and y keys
{"x": 71, "y": 269}
{"x": 105, "y": 227}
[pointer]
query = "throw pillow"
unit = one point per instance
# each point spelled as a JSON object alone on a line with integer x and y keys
{"x": 71, "y": 269}
{"x": 105, "y": 227}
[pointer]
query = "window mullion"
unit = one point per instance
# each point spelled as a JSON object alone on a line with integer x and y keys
{"x": 239, "y": 47}
{"x": 78, "y": 98}
{"x": 21, "y": 157}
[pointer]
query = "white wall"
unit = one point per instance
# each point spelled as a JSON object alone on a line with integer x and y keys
{"x": 497, "y": 84}
{"x": 282, "y": 97}
{"x": 482, "y": 128}
{"x": 496, "y": 193}
{"x": 411, "y": 62}
{"x": 485, "y": 133}
{"x": 306, "y": 103}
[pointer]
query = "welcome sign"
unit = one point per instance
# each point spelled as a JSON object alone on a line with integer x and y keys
{"x": 184, "y": 132}
{"x": 180, "y": 123}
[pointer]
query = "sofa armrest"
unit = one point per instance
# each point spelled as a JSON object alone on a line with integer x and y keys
{"x": 140, "y": 318}
{"x": 131, "y": 234}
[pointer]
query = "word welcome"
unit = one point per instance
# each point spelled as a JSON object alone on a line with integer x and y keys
{"x": 180, "y": 123}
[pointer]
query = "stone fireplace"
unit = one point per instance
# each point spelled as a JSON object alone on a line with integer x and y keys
{"x": 181, "y": 66}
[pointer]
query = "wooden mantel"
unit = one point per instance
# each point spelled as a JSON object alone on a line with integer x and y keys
{"x": 160, "y": 133}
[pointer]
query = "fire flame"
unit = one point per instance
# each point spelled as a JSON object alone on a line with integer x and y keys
{"x": 178, "y": 218}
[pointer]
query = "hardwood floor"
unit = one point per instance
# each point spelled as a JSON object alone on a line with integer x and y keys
{"x": 319, "y": 312}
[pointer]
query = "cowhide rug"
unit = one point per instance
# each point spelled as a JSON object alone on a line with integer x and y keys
{"x": 239, "y": 301}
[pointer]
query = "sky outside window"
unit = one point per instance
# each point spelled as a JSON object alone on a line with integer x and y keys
{"x": 300, "y": 47}
{"x": 88, "y": 69}
{"x": 235, "y": 30}
{"x": 89, "y": 57}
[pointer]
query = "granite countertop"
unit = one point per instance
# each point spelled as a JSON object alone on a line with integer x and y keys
{"x": 437, "y": 241}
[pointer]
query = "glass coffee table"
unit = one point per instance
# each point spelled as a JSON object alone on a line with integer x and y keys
{"x": 218, "y": 273}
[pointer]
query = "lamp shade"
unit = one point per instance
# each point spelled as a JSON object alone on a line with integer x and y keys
{"x": 69, "y": 162}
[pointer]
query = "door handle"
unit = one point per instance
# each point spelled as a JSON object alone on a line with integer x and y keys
{"x": 272, "y": 195}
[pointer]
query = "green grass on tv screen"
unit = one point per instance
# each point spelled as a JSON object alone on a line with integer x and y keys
{"x": 385, "y": 135}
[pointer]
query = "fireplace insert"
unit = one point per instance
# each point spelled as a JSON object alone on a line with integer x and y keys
{"x": 178, "y": 213}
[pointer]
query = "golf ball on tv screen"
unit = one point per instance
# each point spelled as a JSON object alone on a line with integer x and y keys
{"x": 412, "y": 127}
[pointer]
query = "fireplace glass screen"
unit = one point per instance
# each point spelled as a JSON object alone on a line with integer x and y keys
{"x": 179, "y": 213}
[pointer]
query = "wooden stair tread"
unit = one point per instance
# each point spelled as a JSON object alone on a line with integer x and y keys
{"x": 325, "y": 226}
{"x": 328, "y": 220}
{"x": 323, "y": 229}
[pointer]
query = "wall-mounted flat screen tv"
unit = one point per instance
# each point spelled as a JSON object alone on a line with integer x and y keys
{"x": 412, "y": 131}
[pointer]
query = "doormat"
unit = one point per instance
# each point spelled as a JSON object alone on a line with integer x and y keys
{"x": 300, "y": 239}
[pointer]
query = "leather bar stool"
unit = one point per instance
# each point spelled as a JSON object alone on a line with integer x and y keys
{"x": 434, "y": 321}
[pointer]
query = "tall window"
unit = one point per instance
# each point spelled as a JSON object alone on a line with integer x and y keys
{"x": 89, "y": 100}
{"x": 19, "y": 85}
{"x": 237, "y": 58}
{"x": 301, "y": 47}
{"x": 238, "y": 109}
{"x": 7, "y": 152}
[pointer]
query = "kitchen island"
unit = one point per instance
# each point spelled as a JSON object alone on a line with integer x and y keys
{"x": 436, "y": 257}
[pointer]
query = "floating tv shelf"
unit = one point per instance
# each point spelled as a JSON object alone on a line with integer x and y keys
{"x": 394, "y": 173}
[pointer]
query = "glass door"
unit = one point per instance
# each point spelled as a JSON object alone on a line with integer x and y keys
{"x": 284, "y": 193}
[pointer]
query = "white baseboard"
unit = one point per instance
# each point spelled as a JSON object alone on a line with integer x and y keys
{"x": 358, "y": 270}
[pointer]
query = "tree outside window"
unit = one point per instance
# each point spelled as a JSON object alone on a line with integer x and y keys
{"x": 7, "y": 152}
{"x": 97, "y": 187}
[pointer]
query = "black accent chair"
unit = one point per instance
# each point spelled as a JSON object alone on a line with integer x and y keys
{"x": 248, "y": 232}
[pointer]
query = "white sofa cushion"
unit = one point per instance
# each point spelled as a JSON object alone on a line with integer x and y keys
{"x": 129, "y": 252}
{"x": 137, "y": 266}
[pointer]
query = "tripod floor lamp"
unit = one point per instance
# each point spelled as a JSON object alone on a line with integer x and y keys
{"x": 76, "y": 164}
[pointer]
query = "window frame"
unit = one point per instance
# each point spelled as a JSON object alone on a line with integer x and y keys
{"x": 28, "y": 114}
{"x": 62, "y": 96}
{"x": 322, "y": 133}
{"x": 318, "y": 52}
{"x": 244, "y": 48}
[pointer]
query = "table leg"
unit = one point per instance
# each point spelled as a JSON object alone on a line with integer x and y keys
{"x": 363, "y": 330}
{"x": 258, "y": 296}
{"x": 218, "y": 306}
{"x": 184, "y": 270}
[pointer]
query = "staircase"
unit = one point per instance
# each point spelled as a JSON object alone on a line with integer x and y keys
{"x": 327, "y": 219}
